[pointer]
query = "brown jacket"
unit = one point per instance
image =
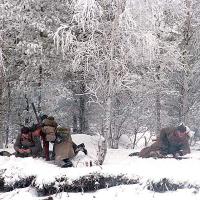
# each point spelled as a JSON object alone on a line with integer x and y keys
{"x": 32, "y": 143}
{"x": 167, "y": 142}
{"x": 64, "y": 149}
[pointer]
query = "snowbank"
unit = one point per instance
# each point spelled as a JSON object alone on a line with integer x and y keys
{"x": 118, "y": 168}
{"x": 145, "y": 171}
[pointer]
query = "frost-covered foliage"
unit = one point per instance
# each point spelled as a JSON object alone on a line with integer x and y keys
{"x": 108, "y": 67}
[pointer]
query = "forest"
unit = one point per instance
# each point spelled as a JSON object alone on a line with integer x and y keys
{"x": 105, "y": 67}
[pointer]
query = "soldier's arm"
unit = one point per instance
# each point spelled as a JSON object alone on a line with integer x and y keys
{"x": 17, "y": 144}
{"x": 46, "y": 149}
{"x": 163, "y": 142}
{"x": 185, "y": 149}
{"x": 37, "y": 147}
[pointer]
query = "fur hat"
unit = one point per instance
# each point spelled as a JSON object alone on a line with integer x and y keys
{"x": 50, "y": 118}
{"x": 181, "y": 128}
{"x": 25, "y": 130}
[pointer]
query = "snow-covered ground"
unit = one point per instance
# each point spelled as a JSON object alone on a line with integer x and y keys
{"x": 116, "y": 162}
{"x": 128, "y": 192}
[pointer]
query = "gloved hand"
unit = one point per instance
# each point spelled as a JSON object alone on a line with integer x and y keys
{"x": 177, "y": 154}
{"x": 181, "y": 152}
{"x": 21, "y": 150}
{"x": 27, "y": 151}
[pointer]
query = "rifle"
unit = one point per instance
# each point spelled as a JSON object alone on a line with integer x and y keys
{"x": 36, "y": 115}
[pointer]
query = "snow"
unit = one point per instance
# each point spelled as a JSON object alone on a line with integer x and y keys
{"x": 116, "y": 162}
{"x": 115, "y": 193}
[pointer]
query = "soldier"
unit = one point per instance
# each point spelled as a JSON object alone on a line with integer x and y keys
{"x": 27, "y": 145}
{"x": 172, "y": 140}
{"x": 65, "y": 148}
{"x": 47, "y": 131}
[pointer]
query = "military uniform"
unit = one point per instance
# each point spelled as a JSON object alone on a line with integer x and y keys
{"x": 170, "y": 141}
{"x": 32, "y": 143}
{"x": 64, "y": 148}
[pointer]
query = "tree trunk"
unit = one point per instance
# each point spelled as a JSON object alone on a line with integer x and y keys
{"x": 184, "y": 101}
{"x": 1, "y": 114}
{"x": 83, "y": 123}
{"x": 158, "y": 102}
{"x": 107, "y": 121}
{"x": 40, "y": 89}
{"x": 184, "y": 107}
{"x": 1, "y": 97}
{"x": 135, "y": 137}
{"x": 75, "y": 124}
{"x": 158, "y": 113}
{"x": 27, "y": 116}
{"x": 8, "y": 117}
{"x": 102, "y": 150}
{"x": 110, "y": 81}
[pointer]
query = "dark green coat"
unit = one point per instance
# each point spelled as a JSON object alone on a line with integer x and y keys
{"x": 32, "y": 143}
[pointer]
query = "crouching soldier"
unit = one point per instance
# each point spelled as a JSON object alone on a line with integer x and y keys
{"x": 27, "y": 145}
{"x": 65, "y": 148}
{"x": 172, "y": 140}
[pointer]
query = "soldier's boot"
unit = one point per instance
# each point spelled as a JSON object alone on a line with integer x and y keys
{"x": 5, "y": 153}
{"x": 81, "y": 147}
{"x": 134, "y": 154}
{"x": 68, "y": 163}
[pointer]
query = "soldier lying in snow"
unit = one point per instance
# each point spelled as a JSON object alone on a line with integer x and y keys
{"x": 172, "y": 140}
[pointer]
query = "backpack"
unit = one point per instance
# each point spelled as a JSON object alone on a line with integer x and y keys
{"x": 50, "y": 133}
{"x": 49, "y": 129}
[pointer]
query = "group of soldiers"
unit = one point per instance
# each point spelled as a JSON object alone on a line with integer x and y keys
{"x": 28, "y": 142}
{"x": 171, "y": 140}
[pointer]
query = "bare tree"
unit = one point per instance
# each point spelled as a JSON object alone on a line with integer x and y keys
{"x": 2, "y": 84}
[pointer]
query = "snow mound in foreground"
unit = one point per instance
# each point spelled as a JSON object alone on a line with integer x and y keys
{"x": 178, "y": 171}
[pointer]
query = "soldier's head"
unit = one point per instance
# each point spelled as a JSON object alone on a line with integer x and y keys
{"x": 184, "y": 131}
{"x": 181, "y": 128}
{"x": 24, "y": 132}
{"x": 181, "y": 131}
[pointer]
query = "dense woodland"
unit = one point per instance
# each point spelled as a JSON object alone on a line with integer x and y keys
{"x": 108, "y": 67}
